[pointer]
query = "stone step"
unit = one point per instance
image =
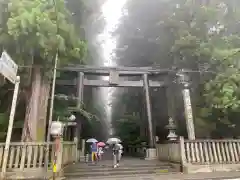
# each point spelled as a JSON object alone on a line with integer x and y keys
{"x": 128, "y": 167}
{"x": 121, "y": 168}
{"x": 89, "y": 171}
{"x": 89, "y": 166}
{"x": 141, "y": 163}
{"x": 118, "y": 177}
{"x": 115, "y": 173}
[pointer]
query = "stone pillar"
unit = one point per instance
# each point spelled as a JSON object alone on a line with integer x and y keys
{"x": 80, "y": 90}
{"x": 77, "y": 154}
{"x": 59, "y": 160}
{"x": 83, "y": 145}
{"x": 183, "y": 80}
{"x": 151, "y": 152}
{"x": 149, "y": 110}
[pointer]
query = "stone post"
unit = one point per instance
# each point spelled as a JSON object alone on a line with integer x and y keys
{"x": 59, "y": 158}
{"x": 76, "y": 141}
{"x": 149, "y": 110}
{"x": 80, "y": 90}
{"x": 82, "y": 151}
{"x": 151, "y": 152}
{"x": 183, "y": 80}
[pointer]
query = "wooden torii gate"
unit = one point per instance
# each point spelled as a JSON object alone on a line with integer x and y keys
{"x": 116, "y": 75}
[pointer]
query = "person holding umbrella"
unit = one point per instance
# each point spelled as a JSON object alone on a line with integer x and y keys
{"x": 117, "y": 150}
{"x": 94, "y": 149}
{"x": 100, "y": 150}
{"x": 117, "y": 154}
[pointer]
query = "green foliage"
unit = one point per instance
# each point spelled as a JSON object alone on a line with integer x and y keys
{"x": 196, "y": 35}
{"x": 32, "y": 32}
{"x": 65, "y": 106}
{"x": 128, "y": 129}
{"x": 207, "y": 36}
{"x": 127, "y": 116}
{"x": 40, "y": 29}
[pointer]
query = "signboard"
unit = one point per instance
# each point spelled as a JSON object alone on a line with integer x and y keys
{"x": 56, "y": 128}
{"x": 8, "y": 68}
{"x": 113, "y": 77}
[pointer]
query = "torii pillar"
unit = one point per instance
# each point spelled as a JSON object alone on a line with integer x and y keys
{"x": 151, "y": 151}
{"x": 80, "y": 89}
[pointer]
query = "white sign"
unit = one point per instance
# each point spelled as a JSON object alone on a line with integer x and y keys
{"x": 56, "y": 128}
{"x": 8, "y": 68}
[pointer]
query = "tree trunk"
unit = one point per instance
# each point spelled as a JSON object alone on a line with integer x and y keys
{"x": 36, "y": 112}
{"x": 43, "y": 105}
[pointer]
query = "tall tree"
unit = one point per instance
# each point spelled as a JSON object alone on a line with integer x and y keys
{"x": 33, "y": 32}
{"x": 198, "y": 35}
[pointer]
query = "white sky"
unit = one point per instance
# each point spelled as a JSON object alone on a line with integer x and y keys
{"x": 112, "y": 11}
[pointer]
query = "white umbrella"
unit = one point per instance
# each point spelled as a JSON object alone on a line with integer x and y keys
{"x": 92, "y": 140}
{"x": 113, "y": 141}
{"x": 120, "y": 146}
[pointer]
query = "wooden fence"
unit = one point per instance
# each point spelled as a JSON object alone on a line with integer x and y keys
{"x": 69, "y": 153}
{"x": 212, "y": 151}
{"x": 30, "y": 156}
{"x": 169, "y": 152}
{"x": 202, "y": 155}
{"x": 135, "y": 151}
{"x": 25, "y": 155}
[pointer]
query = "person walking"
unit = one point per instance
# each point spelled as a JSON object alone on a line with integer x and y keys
{"x": 100, "y": 153}
{"x": 117, "y": 154}
{"x": 94, "y": 150}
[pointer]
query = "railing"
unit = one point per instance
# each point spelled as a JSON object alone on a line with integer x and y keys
{"x": 25, "y": 155}
{"x": 202, "y": 155}
{"x": 169, "y": 152}
{"x": 212, "y": 151}
{"x": 137, "y": 151}
{"x": 69, "y": 153}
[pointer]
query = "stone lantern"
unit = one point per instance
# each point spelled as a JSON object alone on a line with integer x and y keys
{"x": 172, "y": 130}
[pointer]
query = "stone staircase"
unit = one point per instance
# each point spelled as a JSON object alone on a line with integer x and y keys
{"x": 128, "y": 167}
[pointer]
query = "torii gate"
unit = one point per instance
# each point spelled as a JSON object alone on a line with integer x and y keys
{"x": 115, "y": 80}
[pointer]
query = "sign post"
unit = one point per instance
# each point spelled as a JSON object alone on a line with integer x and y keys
{"x": 56, "y": 130}
{"x": 8, "y": 68}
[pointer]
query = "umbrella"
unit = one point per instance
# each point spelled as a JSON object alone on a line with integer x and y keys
{"x": 92, "y": 140}
{"x": 101, "y": 144}
{"x": 113, "y": 141}
{"x": 120, "y": 146}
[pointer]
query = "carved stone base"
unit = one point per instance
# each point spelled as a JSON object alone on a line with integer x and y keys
{"x": 151, "y": 154}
